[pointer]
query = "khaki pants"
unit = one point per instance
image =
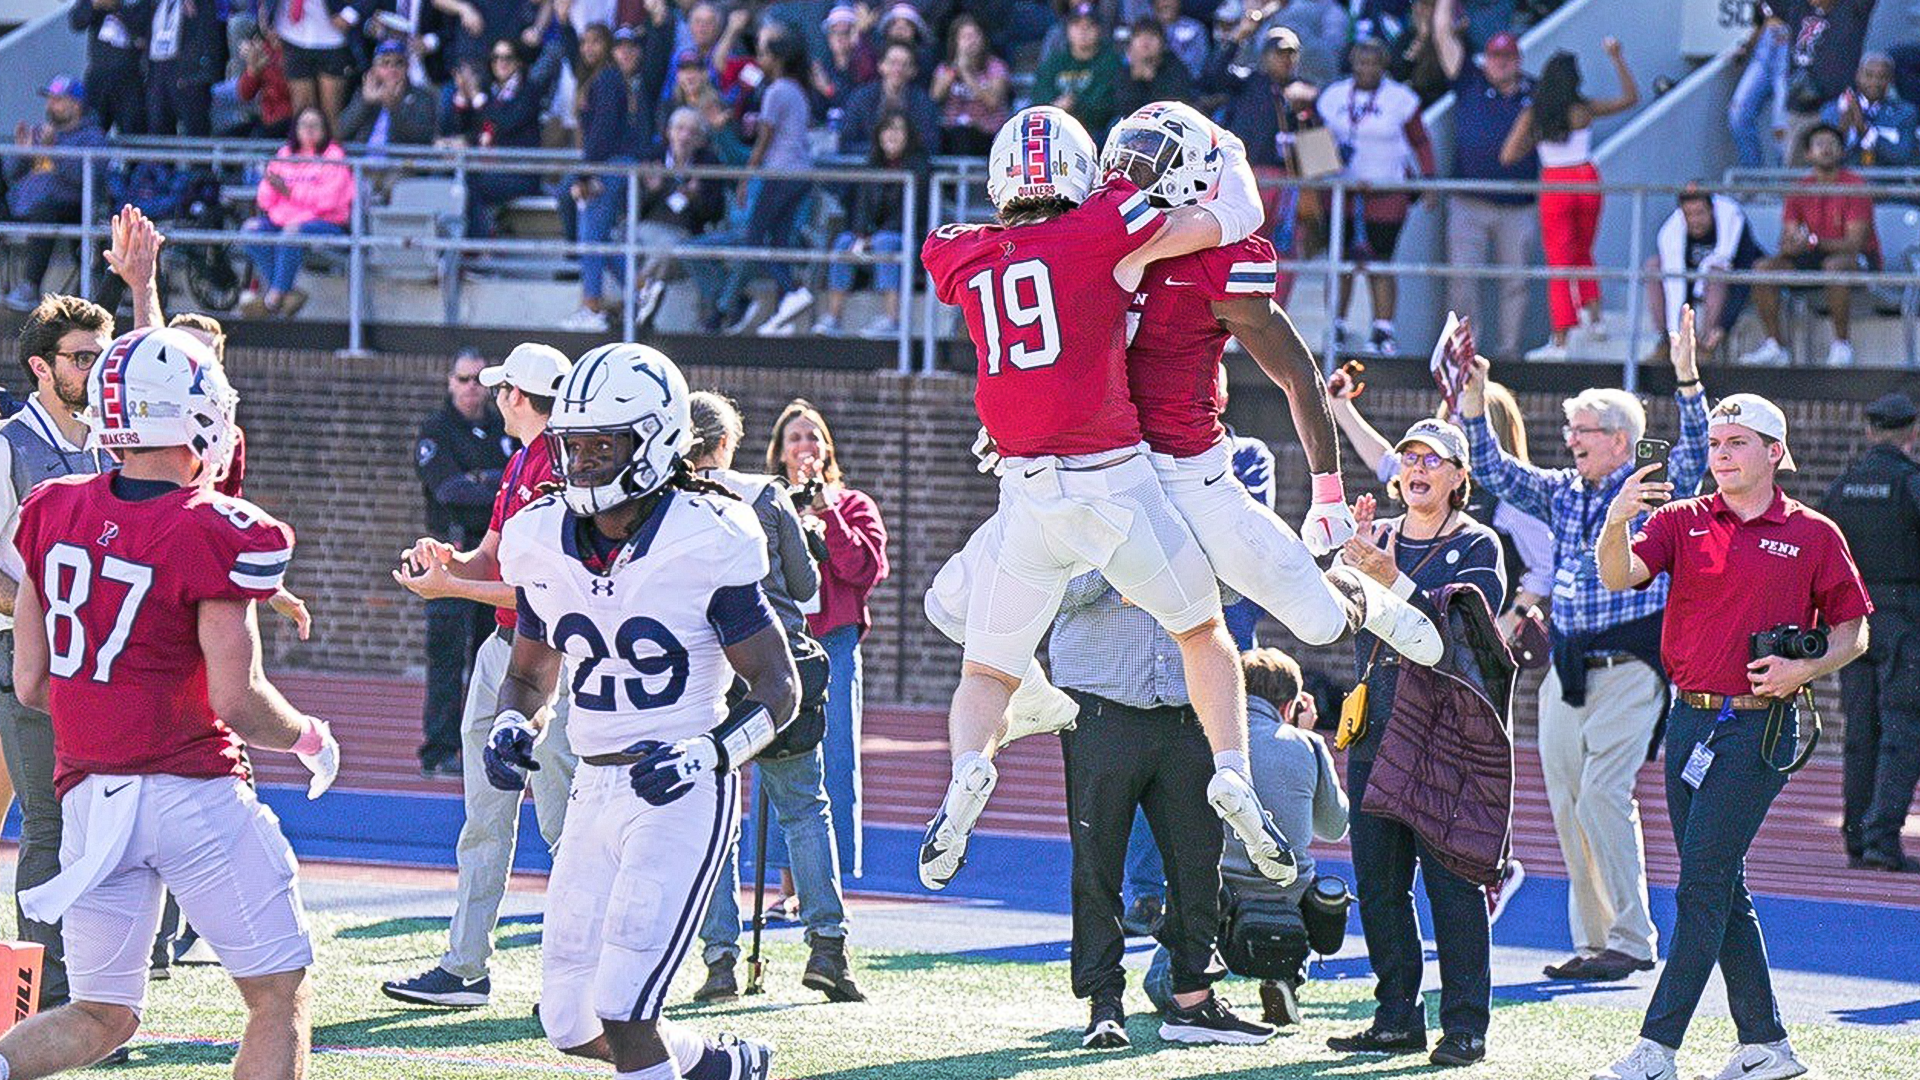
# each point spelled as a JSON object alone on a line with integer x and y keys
{"x": 1590, "y": 757}
{"x": 485, "y": 851}
{"x": 1477, "y": 229}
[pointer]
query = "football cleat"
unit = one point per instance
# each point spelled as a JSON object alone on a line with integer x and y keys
{"x": 438, "y": 986}
{"x": 1391, "y": 619}
{"x": 746, "y": 1058}
{"x": 1239, "y": 806}
{"x": 1039, "y": 708}
{"x": 944, "y": 851}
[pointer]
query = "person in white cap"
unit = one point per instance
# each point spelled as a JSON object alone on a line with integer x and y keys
{"x": 523, "y": 387}
{"x": 1751, "y": 569}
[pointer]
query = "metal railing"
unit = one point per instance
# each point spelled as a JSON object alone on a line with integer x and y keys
{"x": 1902, "y": 269}
{"x": 460, "y": 163}
{"x": 956, "y": 194}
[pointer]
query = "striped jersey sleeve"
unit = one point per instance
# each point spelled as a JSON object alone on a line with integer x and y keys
{"x": 1248, "y": 268}
{"x": 247, "y": 551}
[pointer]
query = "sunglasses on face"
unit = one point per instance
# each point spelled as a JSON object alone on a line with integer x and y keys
{"x": 1427, "y": 459}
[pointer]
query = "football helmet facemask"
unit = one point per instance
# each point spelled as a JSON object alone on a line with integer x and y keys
{"x": 620, "y": 423}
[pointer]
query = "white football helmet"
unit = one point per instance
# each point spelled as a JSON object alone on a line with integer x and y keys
{"x": 1041, "y": 153}
{"x": 161, "y": 387}
{"x": 1173, "y": 143}
{"x": 627, "y": 391}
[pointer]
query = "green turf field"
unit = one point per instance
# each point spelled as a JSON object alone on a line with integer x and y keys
{"x": 930, "y": 1017}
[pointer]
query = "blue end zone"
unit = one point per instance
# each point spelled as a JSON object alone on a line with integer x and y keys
{"x": 1031, "y": 874}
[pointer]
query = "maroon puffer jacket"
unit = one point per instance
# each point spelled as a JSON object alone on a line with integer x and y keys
{"x": 1445, "y": 764}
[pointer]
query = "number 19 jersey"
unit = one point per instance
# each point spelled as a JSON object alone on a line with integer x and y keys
{"x": 644, "y": 643}
{"x": 1048, "y": 321}
{"x": 121, "y": 581}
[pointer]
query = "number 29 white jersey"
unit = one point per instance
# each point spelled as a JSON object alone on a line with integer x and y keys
{"x": 644, "y": 645}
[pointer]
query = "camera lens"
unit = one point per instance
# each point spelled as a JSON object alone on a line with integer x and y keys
{"x": 1808, "y": 645}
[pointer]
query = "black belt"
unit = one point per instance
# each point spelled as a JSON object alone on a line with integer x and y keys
{"x": 1094, "y": 705}
{"x": 1596, "y": 661}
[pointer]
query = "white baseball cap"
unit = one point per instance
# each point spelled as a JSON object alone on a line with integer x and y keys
{"x": 532, "y": 367}
{"x": 1755, "y": 413}
{"x": 1445, "y": 439}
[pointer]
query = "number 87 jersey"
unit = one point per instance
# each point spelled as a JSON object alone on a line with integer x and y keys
{"x": 1048, "y": 321}
{"x": 121, "y": 581}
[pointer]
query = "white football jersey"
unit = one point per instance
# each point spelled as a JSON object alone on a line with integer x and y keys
{"x": 643, "y": 660}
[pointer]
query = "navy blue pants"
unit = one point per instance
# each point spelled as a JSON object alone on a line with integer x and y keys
{"x": 1713, "y": 827}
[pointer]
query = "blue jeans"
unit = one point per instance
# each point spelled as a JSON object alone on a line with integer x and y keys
{"x": 800, "y": 807}
{"x": 592, "y": 223}
{"x": 1145, "y": 876}
{"x": 1714, "y": 921}
{"x": 1385, "y": 853}
{"x": 840, "y": 752}
{"x": 772, "y": 219}
{"x": 279, "y": 264}
{"x": 1759, "y": 104}
{"x": 886, "y": 276}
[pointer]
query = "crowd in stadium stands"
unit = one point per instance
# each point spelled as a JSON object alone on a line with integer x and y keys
{"x": 804, "y": 84}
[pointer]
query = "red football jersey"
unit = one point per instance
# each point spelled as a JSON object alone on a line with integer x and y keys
{"x": 1173, "y": 360}
{"x": 122, "y": 582}
{"x": 530, "y": 469}
{"x": 1048, "y": 321}
{"x": 235, "y": 482}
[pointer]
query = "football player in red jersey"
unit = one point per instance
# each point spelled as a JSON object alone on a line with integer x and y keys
{"x": 135, "y": 630}
{"x": 1178, "y": 324}
{"x": 1045, "y": 293}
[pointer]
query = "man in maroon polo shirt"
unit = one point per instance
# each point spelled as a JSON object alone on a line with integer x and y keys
{"x": 1744, "y": 560}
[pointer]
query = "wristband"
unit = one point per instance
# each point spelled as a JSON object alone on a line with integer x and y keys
{"x": 1327, "y": 488}
{"x": 1687, "y": 383}
{"x": 509, "y": 717}
{"x": 310, "y": 740}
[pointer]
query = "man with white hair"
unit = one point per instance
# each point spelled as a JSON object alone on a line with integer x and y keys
{"x": 1606, "y": 688}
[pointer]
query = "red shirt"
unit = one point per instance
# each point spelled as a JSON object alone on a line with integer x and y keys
{"x": 530, "y": 469}
{"x": 1048, "y": 321}
{"x": 856, "y": 561}
{"x": 1732, "y": 578}
{"x": 1173, "y": 364}
{"x": 122, "y": 583}
{"x": 1827, "y": 216}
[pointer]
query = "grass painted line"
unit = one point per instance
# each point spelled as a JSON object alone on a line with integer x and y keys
{"x": 392, "y": 1054}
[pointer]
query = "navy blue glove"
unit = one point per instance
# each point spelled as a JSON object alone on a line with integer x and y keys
{"x": 669, "y": 769}
{"x": 508, "y": 757}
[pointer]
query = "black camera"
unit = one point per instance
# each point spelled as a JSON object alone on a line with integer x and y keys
{"x": 806, "y": 492}
{"x": 1789, "y": 642}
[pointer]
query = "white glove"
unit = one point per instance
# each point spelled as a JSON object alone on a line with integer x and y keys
{"x": 320, "y": 753}
{"x": 1330, "y": 522}
{"x": 1236, "y": 202}
{"x": 986, "y": 455}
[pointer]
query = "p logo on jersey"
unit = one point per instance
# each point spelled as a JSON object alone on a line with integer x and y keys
{"x": 1041, "y": 153}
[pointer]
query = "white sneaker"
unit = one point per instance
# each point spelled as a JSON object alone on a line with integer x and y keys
{"x": 1038, "y": 707}
{"x": 881, "y": 327}
{"x": 1511, "y": 878}
{"x": 1761, "y": 1061}
{"x": 748, "y": 315}
{"x": 647, "y": 302}
{"x": 1393, "y": 620}
{"x": 777, "y": 328}
{"x": 792, "y": 303}
{"x": 584, "y": 320}
{"x": 1549, "y": 351}
{"x": 1593, "y": 328}
{"x": 1840, "y": 354}
{"x": 1648, "y": 1060}
{"x": 1769, "y": 353}
{"x": 943, "y": 851}
{"x": 1234, "y": 799}
{"x": 826, "y": 324}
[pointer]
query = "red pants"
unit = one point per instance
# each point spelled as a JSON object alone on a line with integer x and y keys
{"x": 1568, "y": 222}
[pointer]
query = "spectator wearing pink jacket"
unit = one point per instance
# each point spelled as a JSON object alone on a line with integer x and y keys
{"x": 308, "y": 197}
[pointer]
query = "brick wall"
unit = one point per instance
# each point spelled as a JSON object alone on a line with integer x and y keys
{"x": 330, "y": 451}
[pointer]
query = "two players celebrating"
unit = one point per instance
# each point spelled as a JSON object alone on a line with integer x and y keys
{"x": 1100, "y": 313}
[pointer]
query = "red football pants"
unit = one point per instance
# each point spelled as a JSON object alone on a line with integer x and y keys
{"x": 1568, "y": 222}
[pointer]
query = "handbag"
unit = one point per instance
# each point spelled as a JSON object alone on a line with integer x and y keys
{"x": 1531, "y": 645}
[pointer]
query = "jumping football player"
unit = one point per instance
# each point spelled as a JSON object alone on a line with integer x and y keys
{"x": 643, "y": 581}
{"x": 1045, "y": 294}
{"x": 135, "y": 629}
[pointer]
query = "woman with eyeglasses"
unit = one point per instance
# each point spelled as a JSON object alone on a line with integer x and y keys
{"x": 1434, "y": 545}
{"x": 497, "y": 103}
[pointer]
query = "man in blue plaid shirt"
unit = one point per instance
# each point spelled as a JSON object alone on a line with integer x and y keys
{"x": 1606, "y": 689}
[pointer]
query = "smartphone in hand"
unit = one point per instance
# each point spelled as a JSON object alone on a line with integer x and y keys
{"x": 1649, "y": 451}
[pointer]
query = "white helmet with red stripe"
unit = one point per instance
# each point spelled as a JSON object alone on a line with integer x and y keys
{"x": 161, "y": 387}
{"x": 1169, "y": 149}
{"x": 1041, "y": 153}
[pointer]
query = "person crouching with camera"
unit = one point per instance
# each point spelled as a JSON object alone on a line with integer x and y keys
{"x": 1755, "y": 574}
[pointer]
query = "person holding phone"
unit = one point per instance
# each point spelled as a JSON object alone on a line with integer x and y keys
{"x": 1606, "y": 689}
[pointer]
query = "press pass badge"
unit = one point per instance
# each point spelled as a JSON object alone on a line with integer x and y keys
{"x": 1697, "y": 762}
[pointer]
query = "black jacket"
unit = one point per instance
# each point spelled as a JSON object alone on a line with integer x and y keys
{"x": 500, "y": 119}
{"x": 412, "y": 121}
{"x": 460, "y": 463}
{"x": 131, "y": 23}
{"x": 706, "y": 198}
